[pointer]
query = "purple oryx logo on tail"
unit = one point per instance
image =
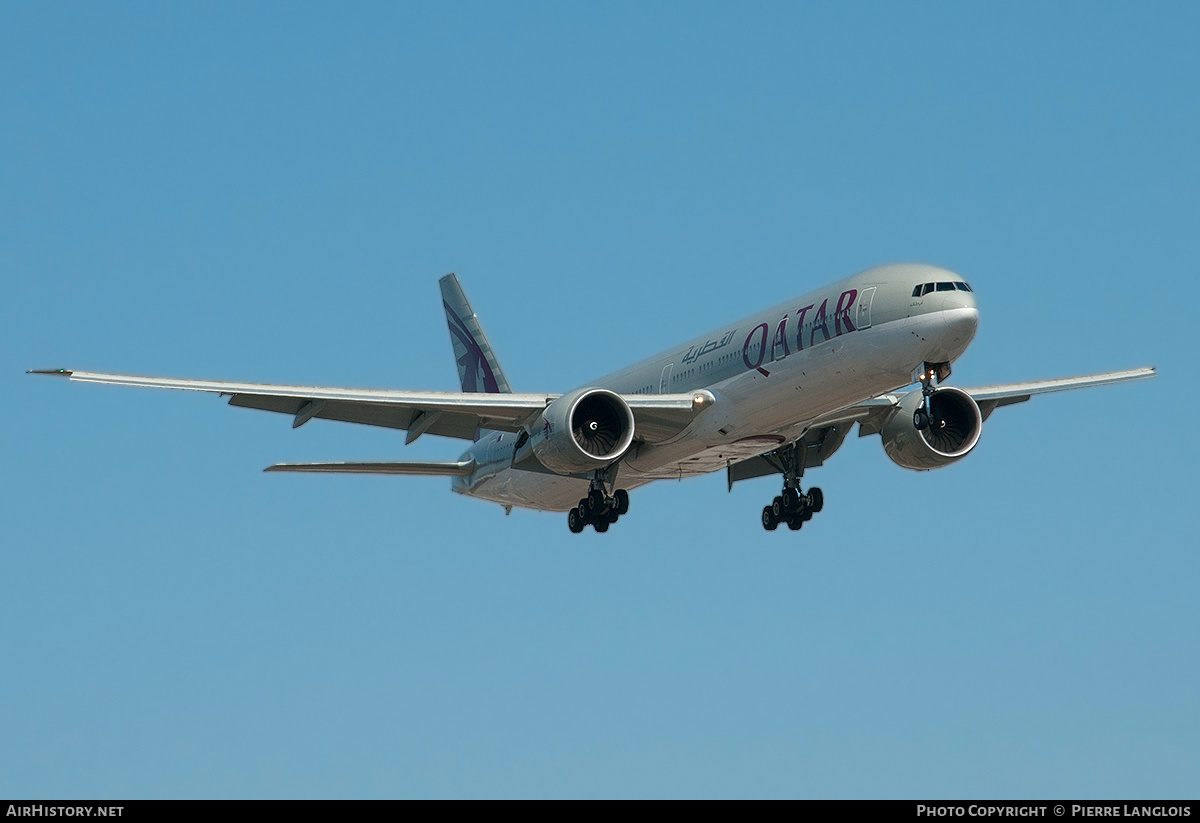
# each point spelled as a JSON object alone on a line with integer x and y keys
{"x": 472, "y": 363}
{"x": 478, "y": 370}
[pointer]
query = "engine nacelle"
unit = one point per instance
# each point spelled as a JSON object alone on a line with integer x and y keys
{"x": 583, "y": 430}
{"x": 956, "y": 429}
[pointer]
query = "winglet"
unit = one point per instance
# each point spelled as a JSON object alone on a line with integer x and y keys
{"x": 56, "y": 372}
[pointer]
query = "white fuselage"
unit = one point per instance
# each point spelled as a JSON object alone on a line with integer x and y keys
{"x": 773, "y": 374}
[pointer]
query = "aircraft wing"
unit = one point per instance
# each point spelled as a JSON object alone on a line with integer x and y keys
{"x": 450, "y": 414}
{"x": 825, "y": 434}
{"x": 990, "y": 398}
{"x": 872, "y": 414}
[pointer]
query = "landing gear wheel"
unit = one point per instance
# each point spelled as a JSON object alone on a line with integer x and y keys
{"x": 920, "y": 420}
{"x": 769, "y": 520}
{"x": 622, "y": 498}
{"x": 574, "y": 522}
{"x": 795, "y": 522}
{"x": 582, "y": 511}
{"x": 816, "y": 500}
{"x": 612, "y": 515}
{"x": 595, "y": 503}
{"x": 601, "y": 526}
{"x": 777, "y": 508}
{"x": 791, "y": 499}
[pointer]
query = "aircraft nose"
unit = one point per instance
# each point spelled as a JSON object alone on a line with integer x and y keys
{"x": 962, "y": 320}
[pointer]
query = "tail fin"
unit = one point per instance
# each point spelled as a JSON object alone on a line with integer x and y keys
{"x": 477, "y": 366}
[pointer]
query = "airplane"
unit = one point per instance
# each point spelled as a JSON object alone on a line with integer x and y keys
{"x": 773, "y": 393}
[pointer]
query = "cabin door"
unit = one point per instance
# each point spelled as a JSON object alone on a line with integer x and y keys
{"x": 864, "y": 308}
{"x": 664, "y": 386}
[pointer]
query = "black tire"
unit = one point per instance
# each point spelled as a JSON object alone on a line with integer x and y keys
{"x": 582, "y": 509}
{"x": 795, "y": 522}
{"x": 769, "y": 520}
{"x": 612, "y": 515}
{"x": 778, "y": 508}
{"x": 816, "y": 499}
{"x": 595, "y": 503}
{"x": 791, "y": 499}
{"x": 806, "y": 515}
{"x": 574, "y": 522}
{"x": 622, "y": 497}
{"x": 920, "y": 420}
{"x": 601, "y": 527}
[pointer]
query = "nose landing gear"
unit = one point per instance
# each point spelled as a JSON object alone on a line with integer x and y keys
{"x": 923, "y": 417}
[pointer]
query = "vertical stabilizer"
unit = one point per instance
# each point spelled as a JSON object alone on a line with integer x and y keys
{"x": 478, "y": 370}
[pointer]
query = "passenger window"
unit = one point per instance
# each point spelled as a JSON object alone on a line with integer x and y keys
{"x": 926, "y": 289}
{"x": 945, "y": 287}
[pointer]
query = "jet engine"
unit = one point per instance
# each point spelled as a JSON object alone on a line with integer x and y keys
{"x": 583, "y": 430}
{"x": 953, "y": 431}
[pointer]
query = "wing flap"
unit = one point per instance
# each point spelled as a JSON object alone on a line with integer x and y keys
{"x": 388, "y": 415}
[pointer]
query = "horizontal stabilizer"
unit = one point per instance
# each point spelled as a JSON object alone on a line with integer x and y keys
{"x": 459, "y": 469}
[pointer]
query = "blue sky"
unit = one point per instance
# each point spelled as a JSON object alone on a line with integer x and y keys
{"x": 270, "y": 191}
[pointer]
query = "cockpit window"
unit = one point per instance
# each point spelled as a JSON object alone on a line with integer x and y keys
{"x": 926, "y": 289}
{"x": 962, "y": 286}
{"x": 945, "y": 287}
{"x": 917, "y": 290}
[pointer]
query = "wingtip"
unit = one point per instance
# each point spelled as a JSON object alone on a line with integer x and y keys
{"x": 58, "y": 372}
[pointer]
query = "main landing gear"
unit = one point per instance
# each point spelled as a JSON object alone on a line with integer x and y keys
{"x": 598, "y": 509}
{"x": 793, "y": 506}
